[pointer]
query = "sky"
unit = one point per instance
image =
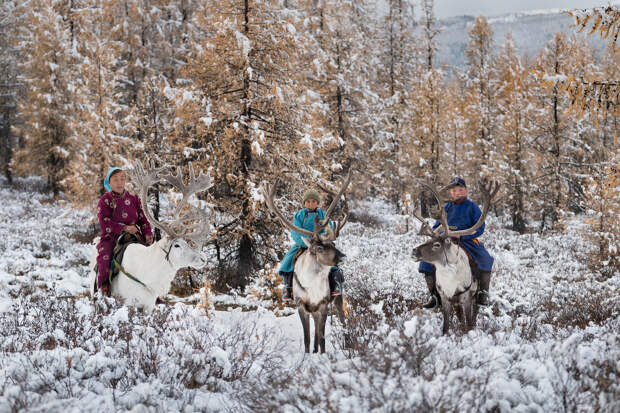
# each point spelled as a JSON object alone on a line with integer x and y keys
{"x": 447, "y": 8}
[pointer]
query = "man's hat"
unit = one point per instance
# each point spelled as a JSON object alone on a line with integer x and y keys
{"x": 457, "y": 181}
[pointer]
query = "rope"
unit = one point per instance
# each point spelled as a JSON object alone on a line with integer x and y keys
{"x": 131, "y": 277}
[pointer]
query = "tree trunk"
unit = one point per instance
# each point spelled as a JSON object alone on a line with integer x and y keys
{"x": 246, "y": 245}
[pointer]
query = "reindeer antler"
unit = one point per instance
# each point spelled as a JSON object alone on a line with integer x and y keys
{"x": 489, "y": 190}
{"x": 202, "y": 183}
{"x": 269, "y": 192}
{"x": 425, "y": 229}
{"x": 332, "y": 234}
{"x": 145, "y": 178}
{"x": 443, "y": 218}
{"x": 201, "y": 228}
{"x": 335, "y": 199}
{"x": 488, "y": 193}
{"x": 319, "y": 225}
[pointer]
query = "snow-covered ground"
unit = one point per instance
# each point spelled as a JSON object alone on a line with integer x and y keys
{"x": 549, "y": 342}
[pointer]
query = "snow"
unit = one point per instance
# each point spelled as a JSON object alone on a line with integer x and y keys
{"x": 243, "y": 43}
{"x": 549, "y": 342}
{"x": 207, "y": 120}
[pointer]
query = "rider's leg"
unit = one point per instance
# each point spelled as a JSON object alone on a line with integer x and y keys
{"x": 104, "y": 256}
{"x": 434, "y": 301}
{"x": 287, "y": 280}
{"x": 336, "y": 280}
{"x": 483, "y": 288}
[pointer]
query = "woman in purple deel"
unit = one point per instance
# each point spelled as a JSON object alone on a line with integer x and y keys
{"x": 118, "y": 211}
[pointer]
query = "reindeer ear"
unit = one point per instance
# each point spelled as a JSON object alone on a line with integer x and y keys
{"x": 306, "y": 241}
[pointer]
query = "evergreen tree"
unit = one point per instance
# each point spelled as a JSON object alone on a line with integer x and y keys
{"x": 10, "y": 86}
{"x": 48, "y": 107}
{"x": 604, "y": 198}
{"x": 238, "y": 114}
{"x": 514, "y": 132}
{"x": 564, "y": 142}
{"x": 480, "y": 94}
{"x": 396, "y": 63}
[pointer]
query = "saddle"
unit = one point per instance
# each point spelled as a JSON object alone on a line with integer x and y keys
{"x": 125, "y": 240}
{"x": 298, "y": 254}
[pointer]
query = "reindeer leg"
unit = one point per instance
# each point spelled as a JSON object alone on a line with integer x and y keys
{"x": 466, "y": 304}
{"x": 458, "y": 309}
{"x": 317, "y": 329}
{"x": 474, "y": 306}
{"x": 305, "y": 322}
{"x": 446, "y": 309}
{"x": 323, "y": 319}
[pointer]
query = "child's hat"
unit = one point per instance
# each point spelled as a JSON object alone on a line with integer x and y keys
{"x": 312, "y": 194}
{"x": 457, "y": 181}
{"x": 106, "y": 181}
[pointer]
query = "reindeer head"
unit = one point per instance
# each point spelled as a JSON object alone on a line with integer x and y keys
{"x": 443, "y": 245}
{"x": 321, "y": 246}
{"x": 437, "y": 250}
{"x": 183, "y": 228}
{"x": 180, "y": 254}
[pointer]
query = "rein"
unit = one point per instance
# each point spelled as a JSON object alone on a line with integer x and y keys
{"x": 298, "y": 282}
{"x": 466, "y": 289}
{"x": 131, "y": 277}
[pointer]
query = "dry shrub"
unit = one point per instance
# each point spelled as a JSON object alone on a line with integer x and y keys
{"x": 578, "y": 308}
{"x": 165, "y": 350}
{"x": 186, "y": 283}
{"x": 205, "y": 298}
{"x": 365, "y": 218}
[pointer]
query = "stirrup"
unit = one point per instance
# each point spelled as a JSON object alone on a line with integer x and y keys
{"x": 432, "y": 304}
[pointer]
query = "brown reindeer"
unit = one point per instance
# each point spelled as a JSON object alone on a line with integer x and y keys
{"x": 311, "y": 285}
{"x": 455, "y": 283}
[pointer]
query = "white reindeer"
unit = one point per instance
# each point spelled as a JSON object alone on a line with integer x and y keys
{"x": 311, "y": 273}
{"x": 147, "y": 271}
{"x": 455, "y": 283}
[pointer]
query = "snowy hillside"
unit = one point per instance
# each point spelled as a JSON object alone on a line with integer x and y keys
{"x": 549, "y": 342}
{"x": 531, "y": 31}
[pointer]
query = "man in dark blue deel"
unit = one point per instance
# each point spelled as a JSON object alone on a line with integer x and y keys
{"x": 462, "y": 214}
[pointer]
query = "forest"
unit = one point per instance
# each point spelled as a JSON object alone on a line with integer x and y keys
{"x": 295, "y": 95}
{"x": 305, "y": 90}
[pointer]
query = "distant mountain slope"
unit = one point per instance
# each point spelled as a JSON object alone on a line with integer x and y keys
{"x": 531, "y": 30}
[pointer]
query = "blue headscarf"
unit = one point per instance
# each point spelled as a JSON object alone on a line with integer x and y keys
{"x": 106, "y": 181}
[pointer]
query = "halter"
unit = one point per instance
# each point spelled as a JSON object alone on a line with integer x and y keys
{"x": 167, "y": 256}
{"x": 471, "y": 281}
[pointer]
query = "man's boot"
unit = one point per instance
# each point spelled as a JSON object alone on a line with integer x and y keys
{"x": 434, "y": 301}
{"x": 483, "y": 288}
{"x": 336, "y": 279}
{"x": 287, "y": 280}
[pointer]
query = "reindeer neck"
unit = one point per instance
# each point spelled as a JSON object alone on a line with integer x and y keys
{"x": 453, "y": 274}
{"x": 312, "y": 278}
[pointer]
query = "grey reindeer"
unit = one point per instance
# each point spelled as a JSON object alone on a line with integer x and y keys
{"x": 311, "y": 285}
{"x": 456, "y": 284}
